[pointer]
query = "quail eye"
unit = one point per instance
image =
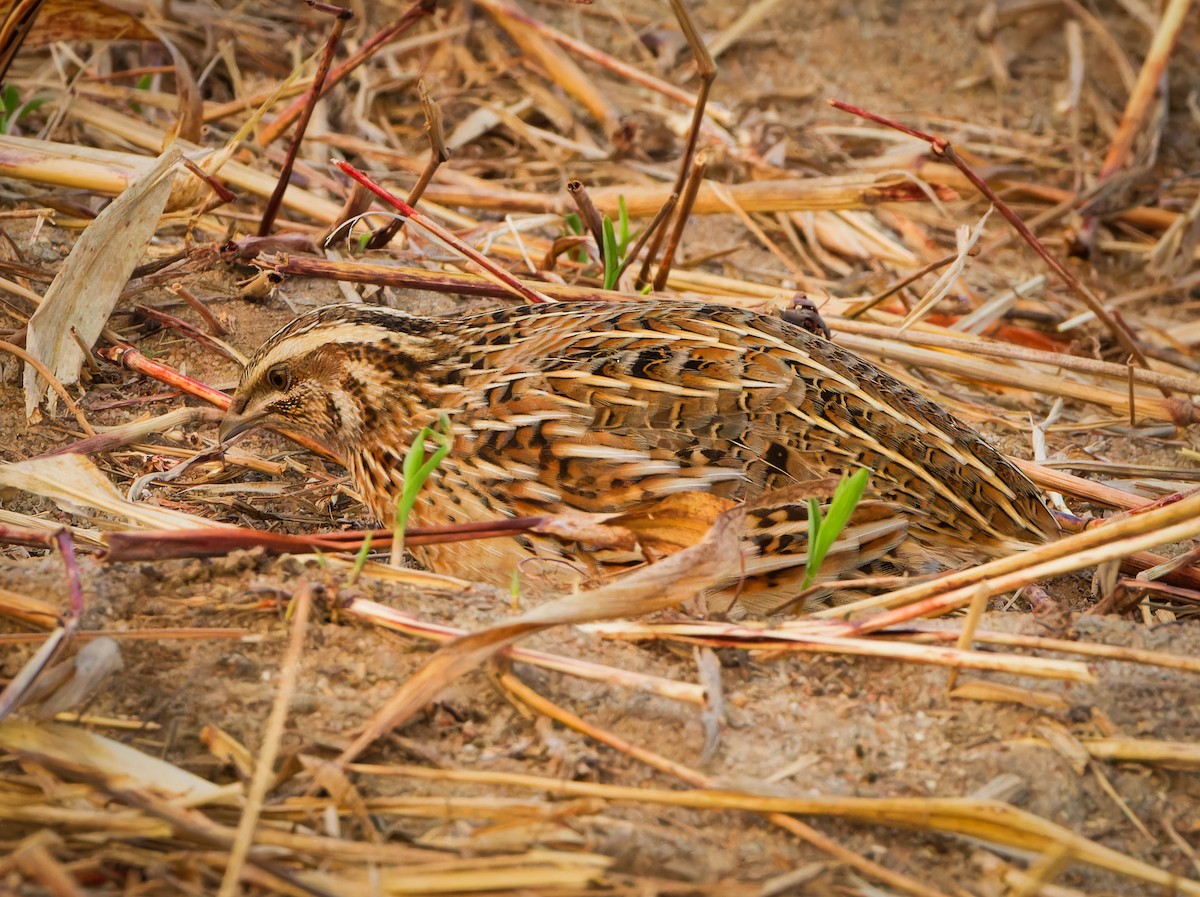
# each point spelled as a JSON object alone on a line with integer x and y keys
{"x": 279, "y": 378}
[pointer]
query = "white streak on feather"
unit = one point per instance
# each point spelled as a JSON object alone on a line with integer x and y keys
{"x": 596, "y": 452}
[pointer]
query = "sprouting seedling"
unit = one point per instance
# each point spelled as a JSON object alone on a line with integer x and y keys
{"x": 12, "y": 109}
{"x": 144, "y": 83}
{"x": 360, "y": 561}
{"x": 575, "y": 227}
{"x": 616, "y": 244}
{"x": 417, "y": 469}
{"x": 823, "y": 533}
{"x": 623, "y": 224}
{"x": 612, "y": 257}
{"x": 615, "y": 240}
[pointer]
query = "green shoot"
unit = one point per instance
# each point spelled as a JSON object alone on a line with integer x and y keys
{"x": 143, "y": 83}
{"x": 11, "y": 98}
{"x": 616, "y": 244}
{"x": 622, "y": 225}
{"x": 360, "y": 561}
{"x": 575, "y": 226}
{"x": 612, "y": 255}
{"x": 814, "y": 535}
{"x": 12, "y": 109}
{"x": 615, "y": 239}
{"x": 823, "y": 533}
{"x": 514, "y": 589}
{"x": 417, "y": 469}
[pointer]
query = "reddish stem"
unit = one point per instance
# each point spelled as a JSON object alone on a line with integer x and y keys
{"x": 414, "y": 14}
{"x": 310, "y": 102}
{"x": 489, "y": 267}
{"x": 131, "y": 358}
{"x": 66, "y": 547}
{"x": 19, "y": 535}
{"x": 942, "y": 147}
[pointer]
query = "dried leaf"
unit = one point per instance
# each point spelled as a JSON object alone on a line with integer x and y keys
{"x": 713, "y": 713}
{"x": 72, "y": 682}
{"x": 538, "y": 871}
{"x": 79, "y": 747}
{"x": 74, "y": 483}
{"x": 29, "y": 610}
{"x": 190, "y": 126}
{"x": 1169, "y": 754}
{"x": 87, "y": 286}
{"x": 76, "y": 166}
{"x": 87, "y": 20}
{"x": 979, "y": 690}
{"x": 591, "y": 530}
{"x": 666, "y": 583}
{"x": 228, "y": 750}
{"x": 1064, "y": 743}
{"x": 506, "y": 837}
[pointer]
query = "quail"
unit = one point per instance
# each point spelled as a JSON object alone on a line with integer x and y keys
{"x": 604, "y": 407}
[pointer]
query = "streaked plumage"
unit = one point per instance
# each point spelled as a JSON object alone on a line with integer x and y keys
{"x": 599, "y": 407}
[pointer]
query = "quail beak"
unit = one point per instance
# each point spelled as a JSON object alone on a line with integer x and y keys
{"x": 234, "y": 424}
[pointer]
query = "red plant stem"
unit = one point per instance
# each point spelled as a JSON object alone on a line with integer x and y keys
{"x": 225, "y": 194}
{"x": 687, "y": 199}
{"x": 251, "y": 247}
{"x": 411, "y": 16}
{"x": 588, "y": 214}
{"x": 489, "y": 267}
{"x": 218, "y": 541}
{"x": 30, "y": 538}
{"x": 66, "y": 547}
{"x": 438, "y": 153}
{"x": 194, "y": 303}
{"x": 182, "y": 327}
{"x": 942, "y": 147}
{"x": 687, "y": 180}
{"x": 706, "y": 69}
{"x": 310, "y": 102}
{"x": 129, "y": 357}
{"x": 663, "y": 213}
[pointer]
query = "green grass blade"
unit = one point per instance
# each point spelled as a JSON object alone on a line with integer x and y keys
{"x": 622, "y": 227}
{"x": 612, "y": 255}
{"x": 814, "y": 521}
{"x": 443, "y": 439}
{"x": 360, "y": 560}
{"x": 417, "y": 469}
{"x": 822, "y": 533}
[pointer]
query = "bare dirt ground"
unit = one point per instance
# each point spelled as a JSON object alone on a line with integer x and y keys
{"x": 795, "y": 724}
